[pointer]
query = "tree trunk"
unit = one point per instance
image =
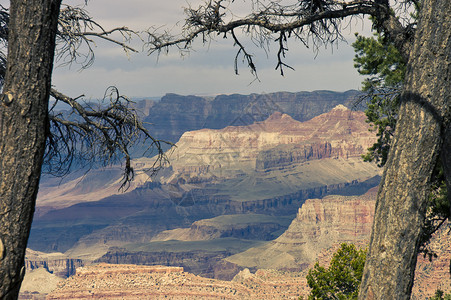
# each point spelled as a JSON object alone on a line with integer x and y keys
{"x": 420, "y": 133}
{"x": 23, "y": 122}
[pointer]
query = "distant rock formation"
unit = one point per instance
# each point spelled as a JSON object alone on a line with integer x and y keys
{"x": 269, "y": 167}
{"x": 55, "y": 263}
{"x": 243, "y": 226}
{"x": 175, "y": 114}
{"x": 314, "y": 235}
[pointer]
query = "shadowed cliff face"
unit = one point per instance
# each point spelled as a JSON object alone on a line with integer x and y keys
{"x": 281, "y": 150}
{"x": 314, "y": 235}
{"x": 319, "y": 224}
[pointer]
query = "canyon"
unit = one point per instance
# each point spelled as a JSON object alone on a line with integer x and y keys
{"x": 243, "y": 191}
{"x": 272, "y": 270}
{"x": 175, "y": 114}
{"x": 268, "y": 168}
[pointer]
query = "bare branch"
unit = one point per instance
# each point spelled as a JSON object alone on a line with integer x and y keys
{"x": 281, "y": 53}
{"x": 74, "y": 39}
{"x": 87, "y": 133}
{"x": 315, "y": 21}
{"x": 102, "y": 134}
{"x": 246, "y": 55}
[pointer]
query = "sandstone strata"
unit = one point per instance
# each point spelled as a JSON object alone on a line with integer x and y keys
{"x": 174, "y": 114}
{"x": 212, "y": 155}
{"x": 269, "y": 167}
{"x": 435, "y": 274}
{"x": 319, "y": 224}
{"x": 339, "y": 134}
{"x": 55, "y": 263}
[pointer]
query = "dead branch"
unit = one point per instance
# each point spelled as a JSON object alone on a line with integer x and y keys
{"x": 101, "y": 133}
{"x": 76, "y": 28}
{"x": 318, "y": 22}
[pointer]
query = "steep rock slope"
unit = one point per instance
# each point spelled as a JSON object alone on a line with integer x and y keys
{"x": 207, "y": 155}
{"x": 56, "y": 263}
{"x": 314, "y": 235}
{"x": 244, "y": 226}
{"x": 277, "y": 141}
{"x": 319, "y": 224}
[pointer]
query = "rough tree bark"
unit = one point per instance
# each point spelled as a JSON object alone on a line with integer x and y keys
{"x": 420, "y": 134}
{"x": 23, "y": 123}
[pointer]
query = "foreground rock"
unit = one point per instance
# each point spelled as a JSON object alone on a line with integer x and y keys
{"x": 199, "y": 257}
{"x": 105, "y": 281}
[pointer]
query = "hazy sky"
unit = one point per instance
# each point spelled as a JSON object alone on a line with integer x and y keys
{"x": 208, "y": 70}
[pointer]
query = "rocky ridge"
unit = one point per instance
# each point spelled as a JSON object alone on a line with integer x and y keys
{"x": 56, "y": 263}
{"x": 279, "y": 141}
{"x": 242, "y": 226}
{"x": 158, "y": 282}
{"x": 319, "y": 224}
{"x": 175, "y": 114}
{"x": 213, "y": 156}
{"x": 269, "y": 167}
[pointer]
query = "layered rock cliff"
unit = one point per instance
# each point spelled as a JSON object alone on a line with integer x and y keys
{"x": 339, "y": 134}
{"x": 242, "y": 226}
{"x": 314, "y": 235}
{"x": 213, "y": 156}
{"x": 269, "y": 167}
{"x": 319, "y": 224}
{"x": 175, "y": 114}
{"x": 55, "y": 263}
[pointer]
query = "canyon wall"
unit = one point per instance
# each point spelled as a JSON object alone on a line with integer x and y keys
{"x": 55, "y": 263}
{"x": 314, "y": 235}
{"x": 174, "y": 114}
{"x": 319, "y": 224}
{"x": 269, "y": 167}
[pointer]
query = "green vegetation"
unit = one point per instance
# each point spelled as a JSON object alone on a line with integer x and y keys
{"x": 378, "y": 58}
{"x": 440, "y": 295}
{"x": 342, "y": 279}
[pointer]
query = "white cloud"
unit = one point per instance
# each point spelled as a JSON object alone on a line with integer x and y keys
{"x": 208, "y": 69}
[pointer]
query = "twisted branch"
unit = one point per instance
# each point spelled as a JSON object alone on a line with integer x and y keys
{"x": 317, "y": 21}
{"x": 102, "y": 134}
